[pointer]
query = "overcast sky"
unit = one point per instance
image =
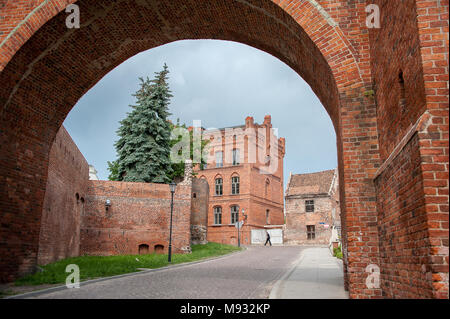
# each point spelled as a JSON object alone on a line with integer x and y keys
{"x": 219, "y": 83}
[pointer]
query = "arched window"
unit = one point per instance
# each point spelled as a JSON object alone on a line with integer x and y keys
{"x": 159, "y": 249}
{"x": 217, "y": 215}
{"x": 235, "y": 185}
{"x": 234, "y": 214}
{"x": 219, "y": 186}
{"x": 143, "y": 249}
{"x": 236, "y": 157}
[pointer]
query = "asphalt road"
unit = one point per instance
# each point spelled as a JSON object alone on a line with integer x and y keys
{"x": 244, "y": 275}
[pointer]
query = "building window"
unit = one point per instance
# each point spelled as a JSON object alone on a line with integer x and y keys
{"x": 311, "y": 231}
{"x": 219, "y": 186}
{"x": 235, "y": 185}
{"x": 203, "y": 166}
{"x": 267, "y": 217}
{"x": 217, "y": 215}
{"x": 234, "y": 214}
{"x": 236, "y": 157}
{"x": 219, "y": 159}
{"x": 309, "y": 206}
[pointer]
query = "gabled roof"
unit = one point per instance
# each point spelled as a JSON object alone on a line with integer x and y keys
{"x": 310, "y": 184}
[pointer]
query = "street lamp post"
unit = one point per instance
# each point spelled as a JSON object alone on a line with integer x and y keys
{"x": 172, "y": 191}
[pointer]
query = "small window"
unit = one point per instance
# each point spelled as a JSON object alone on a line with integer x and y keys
{"x": 143, "y": 249}
{"x": 219, "y": 159}
{"x": 267, "y": 217}
{"x": 217, "y": 215}
{"x": 219, "y": 186}
{"x": 235, "y": 185}
{"x": 309, "y": 206}
{"x": 234, "y": 214}
{"x": 311, "y": 232}
{"x": 236, "y": 157}
{"x": 194, "y": 195}
{"x": 159, "y": 249}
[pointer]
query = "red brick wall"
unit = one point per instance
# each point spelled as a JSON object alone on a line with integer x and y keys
{"x": 412, "y": 183}
{"x": 403, "y": 229}
{"x": 199, "y": 210}
{"x": 65, "y": 197}
{"x": 139, "y": 214}
{"x": 392, "y": 53}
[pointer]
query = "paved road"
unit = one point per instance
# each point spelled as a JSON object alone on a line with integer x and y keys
{"x": 248, "y": 274}
{"x": 316, "y": 275}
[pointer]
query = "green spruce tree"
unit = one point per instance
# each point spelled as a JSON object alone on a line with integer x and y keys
{"x": 143, "y": 147}
{"x": 113, "y": 168}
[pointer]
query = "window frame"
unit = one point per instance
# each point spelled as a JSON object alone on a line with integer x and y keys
{"x": 309, "y": 206}
{"x": 234, "y": 214}
{"x": 218, "y": 186}
{"x": 311, "y": 232}
{"x": 217, "y": 215}
{"x": 235, "y": 186}
{"x": 219, "y": 163}
{"x": 236, "y": 157}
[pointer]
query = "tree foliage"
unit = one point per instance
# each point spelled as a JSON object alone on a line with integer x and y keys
{"x": 144, "y": 142}
{"x": 178, "y": 168}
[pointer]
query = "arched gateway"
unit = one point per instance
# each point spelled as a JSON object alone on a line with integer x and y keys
{"x": 392, "y": 156}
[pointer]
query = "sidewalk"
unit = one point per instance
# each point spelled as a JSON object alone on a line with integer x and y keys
{"x": 316, "y": 274}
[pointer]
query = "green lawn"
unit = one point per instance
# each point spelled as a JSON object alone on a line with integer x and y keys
{"x": 103, "y": 266}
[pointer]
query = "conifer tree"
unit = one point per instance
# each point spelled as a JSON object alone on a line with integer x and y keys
{"x": 143, "y": 147}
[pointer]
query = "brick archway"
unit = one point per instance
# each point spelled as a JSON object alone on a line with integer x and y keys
{"x": 46, "y": 68}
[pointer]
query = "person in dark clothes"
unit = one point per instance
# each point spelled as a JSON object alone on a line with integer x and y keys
{"x": 268, "y": 239}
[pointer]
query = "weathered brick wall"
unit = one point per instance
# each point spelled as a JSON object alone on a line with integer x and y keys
{"x": 68, "y": 173}
{"x": 139, "y": 214}
{"x": 403, "y": 230}
{"x": 395, "y": 48}
{"x": 199, "y": 211}
{"x": 409, "y": 57}
{"x": 297, "y": 219}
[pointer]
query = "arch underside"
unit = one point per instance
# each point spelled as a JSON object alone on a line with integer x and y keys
{"x": 57, "y": 65}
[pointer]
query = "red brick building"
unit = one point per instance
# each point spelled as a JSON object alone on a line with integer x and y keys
{"x": 312, "y": 208}
{"x": 245, "y": 176}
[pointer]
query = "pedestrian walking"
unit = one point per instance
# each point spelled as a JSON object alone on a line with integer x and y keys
{"x": 268, "y": 239}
